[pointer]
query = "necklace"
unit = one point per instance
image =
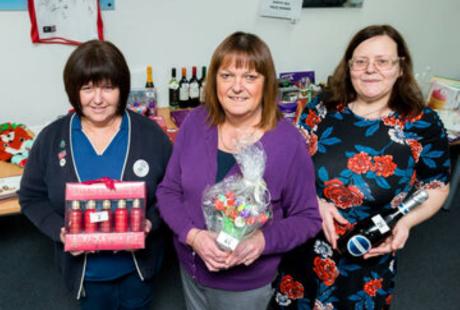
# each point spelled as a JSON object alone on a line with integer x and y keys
{"x": 351, "y": 106}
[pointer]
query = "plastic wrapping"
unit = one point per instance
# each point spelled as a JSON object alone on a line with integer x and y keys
{"x": 239, "y": 204}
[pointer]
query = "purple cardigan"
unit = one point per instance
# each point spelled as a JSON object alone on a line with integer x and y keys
{"x": 290, "y": 179}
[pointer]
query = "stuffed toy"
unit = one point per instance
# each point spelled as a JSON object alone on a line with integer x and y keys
{"x": 15, "y": 143}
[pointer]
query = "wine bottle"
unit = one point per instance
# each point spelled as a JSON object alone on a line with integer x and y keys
{"x": 173, "y": 86}
{"x": 194, "y": 90}
{"x": 150, "y": 93}
{"x": 184, "y": 95}
{"x": 372, "y": 231}
{"x": 202, "y": 83}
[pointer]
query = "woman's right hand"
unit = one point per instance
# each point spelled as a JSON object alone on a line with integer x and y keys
{"x": 204, "y": 244}
{"x": 62, "y": 237}
{"x": 329, "y": 214}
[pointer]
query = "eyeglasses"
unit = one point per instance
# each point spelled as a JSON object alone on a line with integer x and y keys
{"x": 381, "y": 63}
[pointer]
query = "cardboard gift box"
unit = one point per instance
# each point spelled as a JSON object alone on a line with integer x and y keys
{"x": 105, "y": 215}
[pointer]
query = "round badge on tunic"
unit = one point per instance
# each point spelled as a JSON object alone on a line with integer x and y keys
{"x": 62, "y": 162}
{"x": 141, "y": 168}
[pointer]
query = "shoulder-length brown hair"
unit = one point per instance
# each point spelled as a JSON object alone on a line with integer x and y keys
{"x": 245, "y": 50}
{"x": 96, "y": 61}
{"x": 406, "y": 97}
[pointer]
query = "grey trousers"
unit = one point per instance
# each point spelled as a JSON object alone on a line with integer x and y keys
{"x": 198, "y": 297}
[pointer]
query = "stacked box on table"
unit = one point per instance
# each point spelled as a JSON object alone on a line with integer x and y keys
{"x": 105, "y": 216}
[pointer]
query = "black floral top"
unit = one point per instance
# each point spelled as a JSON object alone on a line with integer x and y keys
{"x": 362, "y": 166}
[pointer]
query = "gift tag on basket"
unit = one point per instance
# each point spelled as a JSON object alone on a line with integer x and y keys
{"x": 227, "y": 241}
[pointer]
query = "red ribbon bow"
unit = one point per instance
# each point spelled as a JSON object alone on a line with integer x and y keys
{"x": 109, "y": 183}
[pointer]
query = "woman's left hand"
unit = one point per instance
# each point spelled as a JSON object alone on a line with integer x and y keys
{"x": 248, "y": 250}
{"x": 394, "y": 242}
{"x": 148, "y": 226}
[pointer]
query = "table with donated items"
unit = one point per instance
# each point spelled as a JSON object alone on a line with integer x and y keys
{"x": 9, "y": 205}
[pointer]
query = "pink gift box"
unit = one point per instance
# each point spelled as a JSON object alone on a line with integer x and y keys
{"x": 105, "y": 215}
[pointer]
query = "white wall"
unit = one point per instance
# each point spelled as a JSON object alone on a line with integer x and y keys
{"x": 185, "y": 32}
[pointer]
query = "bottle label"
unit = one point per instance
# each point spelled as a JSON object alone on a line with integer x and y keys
{"x": 194, "y": 90}
{"x": 183, "y": 92}
{"x": 173, "y": 85}
{"x": 382, "y": 226}
{"x": 150, "y": 93}
{"x": 101, "y": 216}
{"x": 358, "y": 245}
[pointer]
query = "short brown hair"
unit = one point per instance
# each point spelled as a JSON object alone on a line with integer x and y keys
{"x": 245, "y": 49}
{"x": 96, "y": 61}
{"x": 406, "y": 97}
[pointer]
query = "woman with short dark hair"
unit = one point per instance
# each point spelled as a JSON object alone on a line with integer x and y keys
{"x": 100, "y": 139}
{"x": 96, "y": 61}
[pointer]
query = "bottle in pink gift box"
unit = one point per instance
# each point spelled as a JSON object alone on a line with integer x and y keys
{"x": 75, "y": 218}
{"x": 136, "y": 216}
{"x": 121, "y": 217}
{"x": 90, "y": 224}
{"x": 106, "y": 226}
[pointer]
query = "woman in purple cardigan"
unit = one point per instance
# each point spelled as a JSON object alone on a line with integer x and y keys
{"x": 240, "y": 100}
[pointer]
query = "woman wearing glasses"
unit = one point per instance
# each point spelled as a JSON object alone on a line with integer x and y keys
{"x": 372, "y": 142}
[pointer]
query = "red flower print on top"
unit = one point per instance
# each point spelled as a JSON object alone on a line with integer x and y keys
{"x": 384, "y": 165}
{"x": 393, "y": 121}
{"x": 416, "y": 148}
{"x": 326, "y": 270}
{"x": 414, "y": 119}
{"x": 388, "y": 299}
{"x": 312, "y": 119}
{"x": 342, "y": 229}
{"x": 413, "y": 178}
{"x": 342, "y": 196}
{"x": 371, "y": 287}
{"x": 331, "y": 185}
{"x": 340, "y": 107}
{"x": 360, "y": 163}
{"x": 291, "y": 288}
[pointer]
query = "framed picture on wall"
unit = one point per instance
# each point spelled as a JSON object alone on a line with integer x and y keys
{"x": 332, "y": 3}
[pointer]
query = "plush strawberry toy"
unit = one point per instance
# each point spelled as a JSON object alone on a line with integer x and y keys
{"x": 15, "y": 143}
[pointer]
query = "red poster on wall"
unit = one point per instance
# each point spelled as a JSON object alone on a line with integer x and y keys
{"x": 65, "y": 21}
